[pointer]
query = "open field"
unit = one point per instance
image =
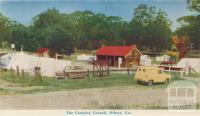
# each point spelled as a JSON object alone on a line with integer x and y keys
{"x": 13, "y": 84}
{"x": 119, "y": 91}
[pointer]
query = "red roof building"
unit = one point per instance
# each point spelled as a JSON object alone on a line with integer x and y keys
{"x": 42, "y": 52}
{"x": 129, "y": 54}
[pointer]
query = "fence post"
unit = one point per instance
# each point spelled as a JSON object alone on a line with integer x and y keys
{"x": 102, "y": 72}
{"x": 38, "y": 73}
{"x": 190, "y": 69}
{"x": 100, "y": 69}
{"x": 88, "y": 71}
{"x": 93, "y": 70}
{"x": 64, "y": 73}
{"x": 128, "y": 71}
{"x": 182, "y": 73}
{"x": 17, "y": 70}
{"x": 108, "y": 69}
{"x": 169, "y": 70}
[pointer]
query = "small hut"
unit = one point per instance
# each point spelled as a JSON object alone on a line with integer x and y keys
{"x": 125, "y": 55}
{"x": 44, "y": 52}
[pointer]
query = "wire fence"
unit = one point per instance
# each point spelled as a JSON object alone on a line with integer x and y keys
{"x": 35, "y": 73}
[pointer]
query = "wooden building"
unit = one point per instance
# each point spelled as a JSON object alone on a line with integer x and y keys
{"x": 129, "y": 54}
{"x": 44, "y": 52}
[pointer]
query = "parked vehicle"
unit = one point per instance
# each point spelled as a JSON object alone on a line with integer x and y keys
{"x": 170, "y": 66}
{"x": 72, "y": 72}
{"x": 151, "y": 75}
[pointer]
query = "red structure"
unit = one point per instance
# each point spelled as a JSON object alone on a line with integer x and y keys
{"x": 129, "y": 54}
{"x": 42, "y": 52}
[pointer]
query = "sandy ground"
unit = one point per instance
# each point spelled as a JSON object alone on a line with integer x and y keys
{"x": 125, "y": 97}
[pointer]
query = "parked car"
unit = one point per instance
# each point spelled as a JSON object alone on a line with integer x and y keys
{"x": 151, "y": 75}
{"x": 170, "y": 66}
{"x": 72, "y": 72}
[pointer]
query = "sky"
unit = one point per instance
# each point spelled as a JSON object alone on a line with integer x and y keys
{"x": 24, "y": 10}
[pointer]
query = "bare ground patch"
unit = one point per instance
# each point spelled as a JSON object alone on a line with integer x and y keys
{"x": 125, "y": 97}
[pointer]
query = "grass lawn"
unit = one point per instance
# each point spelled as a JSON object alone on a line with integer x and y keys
{"x": 52, "y": 84}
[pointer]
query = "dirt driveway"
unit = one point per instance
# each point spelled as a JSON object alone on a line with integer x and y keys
{"x": 117, "y": 97}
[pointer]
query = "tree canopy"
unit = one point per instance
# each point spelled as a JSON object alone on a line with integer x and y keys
{"x": 149, "y": 29}
{"x": 194, "y": 5}
{"x": 190, "y": 25}
{"x": 5, "y": 30}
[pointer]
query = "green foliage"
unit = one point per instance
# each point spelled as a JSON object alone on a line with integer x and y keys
{"x": 60, "y": 42}
{"x": 62, "y": 32}
{"x": 151, "y": 28}
{"x": 194, "y": 5}
{"x": 93, "y": 30}
{"x": 4, "y": 45}
{"x": 22, "y": 35}
{"x": 5, "y": 29}
{"x": 53, "y": 31}
{"x": 190, "y": 25}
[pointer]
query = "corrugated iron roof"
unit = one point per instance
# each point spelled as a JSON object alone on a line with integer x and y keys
{"x": 115, "y": 50}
